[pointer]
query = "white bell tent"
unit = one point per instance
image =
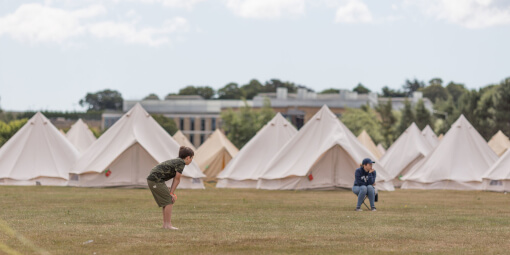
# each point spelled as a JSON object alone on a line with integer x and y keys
{"x": 38, "y": 154}
{"x": 457, "y": 163}
{"x": 405, "y": 152}
{"x": 324, "y": 154}
{"x": 125, "y": 154}
{"x": 214, "y": 154}
{"x": 181, "y": 139}
{"x": 80, "y": 136}
{"x": 242, "y": 171}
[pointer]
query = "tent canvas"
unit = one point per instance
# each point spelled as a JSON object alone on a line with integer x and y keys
{"x": 497, "y": 177}
{"x": 37, "y": 154}
{"x": 499, "y": 143}
{"x": 430, "y": 136}
{"x": 458, "y": 162}
{"x": 381, "y": 149}
{"x": 241, "y": 171}
{"x": 214, "y": 154}
{"x": 182, "y": 140}
{"x": 80, "y": 136}
{"x": 324, "y": 154}
{"x": 365, "y": 139}
{"x": 405, "y": 152}
{"x": 129, "y": 150}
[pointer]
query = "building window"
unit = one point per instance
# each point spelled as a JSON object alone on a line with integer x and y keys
{"x": 213, "y": 124}
{"x": 191, "y": 139}
{"x": 192, "y": 123}
{"x": 181, "y": 123}
{"x": 202, "y": 124}
{"x": 202, "y": 138}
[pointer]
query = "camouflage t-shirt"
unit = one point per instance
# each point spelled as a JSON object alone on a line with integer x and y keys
{"x": 166, "y": 170}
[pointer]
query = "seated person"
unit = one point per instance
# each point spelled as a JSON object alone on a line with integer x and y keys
{"x": 364, "y": 182}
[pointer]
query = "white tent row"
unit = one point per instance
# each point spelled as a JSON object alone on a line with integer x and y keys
{"x": 430, "y": 136}
{"x": 38, "y": 154}
{"x": 324, "y": 154}
{"x": 459, "y": 161}
{"x": 182, "y": 140}
{"x": 405, "y": 153}
{"x": 365, "y": 139}
{"x": 381, "y": 149}
{"x": 80, "y": 136}
{"x": 125, "y": 154}
{"x": 499, "y": 143}
{"x": 214, "y": 154}
{"x": 498, "y": 176}
{"x": 242, "y": 171}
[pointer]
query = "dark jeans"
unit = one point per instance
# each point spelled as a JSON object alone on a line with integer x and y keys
{"x": 362, "y": 191}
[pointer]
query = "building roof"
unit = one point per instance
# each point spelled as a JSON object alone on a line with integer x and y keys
{"x": 185, "y": 106}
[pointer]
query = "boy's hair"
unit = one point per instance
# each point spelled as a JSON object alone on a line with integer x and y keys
{"x": 185, "y": 151}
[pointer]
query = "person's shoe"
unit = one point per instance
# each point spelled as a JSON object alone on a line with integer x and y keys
{"x": 358, "y": 210}
{"x": 373, "y": 209}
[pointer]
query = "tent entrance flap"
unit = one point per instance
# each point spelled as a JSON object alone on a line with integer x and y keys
{"x": 334, "y": 168}
{"x": 130, "y": 168}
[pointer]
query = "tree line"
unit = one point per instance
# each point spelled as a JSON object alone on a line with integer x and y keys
{"x": 486, "y": 108}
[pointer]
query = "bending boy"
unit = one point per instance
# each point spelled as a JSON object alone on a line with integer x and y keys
{"x": 163, "y": 172}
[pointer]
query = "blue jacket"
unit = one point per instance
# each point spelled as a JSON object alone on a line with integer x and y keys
{"x": 363, "y": 178}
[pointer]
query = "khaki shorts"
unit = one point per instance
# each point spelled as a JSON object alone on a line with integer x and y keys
{"x": 161, "y": 193}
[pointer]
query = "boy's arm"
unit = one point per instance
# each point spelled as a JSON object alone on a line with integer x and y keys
{"x": 175, "y": 183}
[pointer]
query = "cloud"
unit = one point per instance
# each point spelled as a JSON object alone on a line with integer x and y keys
{"x": 266, "y": 9}
{"x": 354, "y": 11}
{"x": 473, "y": 14}
{"x": 128, "y": 32}
{"x": 187, "y": 4}
{"x": 36, "y": 23}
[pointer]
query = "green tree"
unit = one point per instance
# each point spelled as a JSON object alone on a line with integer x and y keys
{"x": 206, "y": 92}
{"x": 456, "y": 90}
{"x": 271, "y": 85}
{"x": 240, "y": 126}
{"x": 412, "y": 86}
{"x": 485, "y": 112}
{"x": 330, "y": 91}
{"x": 266, "y": 113}
{"x": 358, "y": 120}
{"x": 361, "y": 89}
{"x": 447, "y": 111}
{"x": 102, "y": 100}
{"x": 230, "y": 91}
{"x": 423, "y": 117}
{"x": 435, "y": 91}
{"x": 7, "y": 116}
{"x": 7, "y": 130}
{"x": 436, "y": 81}
{"x": 89, "y": 115}
{"x": 151, "y": 96}
{"x": 387, "y": 92}
{"x": 166, "y": 123}
{"x": 251, "y": 89}
{"x": 502, "y": 106}
{"x": 407, "y": 118}
{"x": 388, "y": 122}
{"x": 467, "y": 104}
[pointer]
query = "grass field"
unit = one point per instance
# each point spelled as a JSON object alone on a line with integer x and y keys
{"x": 62, "y": 220}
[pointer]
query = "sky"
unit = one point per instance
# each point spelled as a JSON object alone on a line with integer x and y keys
{"x": 54, "y": 52}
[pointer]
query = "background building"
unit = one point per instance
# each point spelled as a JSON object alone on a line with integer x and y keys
{"x": 197, "y": 118}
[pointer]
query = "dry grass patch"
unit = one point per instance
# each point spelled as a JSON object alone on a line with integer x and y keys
{"x": 60, "y": 220}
